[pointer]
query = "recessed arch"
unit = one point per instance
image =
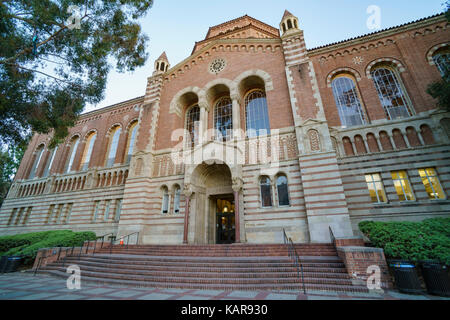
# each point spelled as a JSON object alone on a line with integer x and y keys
{"x": 178, "y": 104}
{"x": 266, "y": 78}
{"x": 384, "y": 61}
{"x": 433, "y": 50}
{"x": 352, "y": 72}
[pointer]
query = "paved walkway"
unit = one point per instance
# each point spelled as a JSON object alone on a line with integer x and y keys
{"x": 25, "y": 286}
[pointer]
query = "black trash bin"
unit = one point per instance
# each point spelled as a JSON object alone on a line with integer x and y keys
{"x": 406, "y": 278}
{"x": 13, "y": 264}
{"x": 436, "y": 277}
{"x": 3, "y": 261}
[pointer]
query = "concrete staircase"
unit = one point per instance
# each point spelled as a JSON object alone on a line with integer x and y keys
{"x": 219, "y": 267}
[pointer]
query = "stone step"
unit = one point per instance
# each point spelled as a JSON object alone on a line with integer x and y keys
{"x": 203, "y": 286}
{"x": 208, "y": 273}
{"x": 215, "y": 253}
{"x": 203, "y": 268}
{"x": 193, "y": 263}
{"x": 208, "y": 280}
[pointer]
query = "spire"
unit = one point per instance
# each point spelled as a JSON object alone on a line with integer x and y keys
{"x": 163, "y": 57}
{"x": 287, "y": 14}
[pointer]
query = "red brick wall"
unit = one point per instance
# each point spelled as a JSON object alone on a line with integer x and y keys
{"x": 358, "y": 259}
{"x": 408, "y": 47}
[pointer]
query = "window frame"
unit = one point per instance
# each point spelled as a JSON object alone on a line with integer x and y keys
{"x": 246, "y": 103}
{"x": 400, "y": 85}
{"x": 357, "y": 94}
{"x": 116, "y": 132}
{"x": 229, "y": 132}
{"x": 403, "y": 181}
{"x": 373, "y": 182}
{"x": 282, "y": 175}
{"x": 190, "y": 142}
{"x": 436, "y": 176}
{"x": 269, "y": 184}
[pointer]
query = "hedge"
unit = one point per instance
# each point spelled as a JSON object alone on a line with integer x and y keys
{"x": 414, "y": 241}
{"x": 27, "y": 245}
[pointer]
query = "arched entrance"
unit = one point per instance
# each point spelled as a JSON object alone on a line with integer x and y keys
{"x": 213, "y": 215}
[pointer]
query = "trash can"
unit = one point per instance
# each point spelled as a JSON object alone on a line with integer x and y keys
{"x": 3, "y": 261}
{"x": 406, "y": 278}
{"x": 436, "y": 277}
{"x": 12, "y": 264}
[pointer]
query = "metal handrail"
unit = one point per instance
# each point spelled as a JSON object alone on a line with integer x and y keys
{"x": 123, "y": 238}
{"x": 332, "y": 237}
{"x": 103, "y": 239}
{"x": 292, "y": 253}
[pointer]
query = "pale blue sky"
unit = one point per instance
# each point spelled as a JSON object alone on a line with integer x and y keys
{"x": 174, "y": 26}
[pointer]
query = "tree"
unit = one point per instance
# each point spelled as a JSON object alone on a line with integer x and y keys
{"x": 9, "y": 163}
{"x": 55, "y": 56}
{"x": 440, "y": 90}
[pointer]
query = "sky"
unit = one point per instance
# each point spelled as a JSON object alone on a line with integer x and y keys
{"x": 175, "y": 25}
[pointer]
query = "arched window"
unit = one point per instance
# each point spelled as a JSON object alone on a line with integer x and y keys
{"x": 391, "y": 93}
{"x": 165, "y": 201}
{"x": 283, "y": 191}
{"x": 132, "y": 133}
{"x": 256, "y": 114}
{"x": 37, "y": 161}
{"x": 176, "y": 201}
{"x": 192, "y": 125}
{"x": 442, "y": 61}
{"x": 266, "y": 192}
{"x": 90, "y": 141}
{"x": 162, "y": 66}
{"x": 113, "y": 143}
{"x": 289, "y": 23}
{"x": 73, "y": 152}
{"x": 223, "y": 119}
{"x": 48, "y": 167}
{"x": 347, "y": 101}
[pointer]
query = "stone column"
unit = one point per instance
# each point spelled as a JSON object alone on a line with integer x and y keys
{"x": 236, "y": 117}
{"x": 188, "y": 194}
{"x": 202, "y": 125}
{"x": 237, "y": 217}
{"x": 237, "y": 186}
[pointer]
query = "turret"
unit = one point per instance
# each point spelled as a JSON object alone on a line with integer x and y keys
{"x": 161, "y": 64}
{"x": 289, "y": 23}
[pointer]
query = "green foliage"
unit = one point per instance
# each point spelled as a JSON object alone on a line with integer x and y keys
{"x": 412, "y": 241}
{"x": 27, "y": 245}
{"x": 49, "y": 70}
{"x": 9, "y": 163}
{"x": 440, "y": 90}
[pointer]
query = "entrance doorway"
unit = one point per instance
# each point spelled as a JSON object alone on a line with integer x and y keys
{"x": 225, "y": 218}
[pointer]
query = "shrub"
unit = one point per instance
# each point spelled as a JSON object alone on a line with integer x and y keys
{"x": 412, "y": 241}
{"x": 27, "y": 245}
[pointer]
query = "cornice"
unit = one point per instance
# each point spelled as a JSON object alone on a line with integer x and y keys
{"x": 378, "y": 35}
{"x": 111, "y": 107}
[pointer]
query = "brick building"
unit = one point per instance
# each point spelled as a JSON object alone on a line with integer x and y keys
{"x": 252, "y": 134}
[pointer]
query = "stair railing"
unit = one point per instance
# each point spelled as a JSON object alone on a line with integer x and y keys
{"x": 292, "y": 253}
{"x": 123, "y": 239}
{"x": 332, "y": 237}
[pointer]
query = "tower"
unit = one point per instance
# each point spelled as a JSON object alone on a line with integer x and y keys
{"x": 161, "y": 64}
{"x": 313, "y": 138}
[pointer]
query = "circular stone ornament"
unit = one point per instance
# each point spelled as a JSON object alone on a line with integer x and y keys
{"x": 217, "y": 65}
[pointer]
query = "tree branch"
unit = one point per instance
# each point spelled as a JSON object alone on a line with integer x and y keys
{"x": 30, "y": 49}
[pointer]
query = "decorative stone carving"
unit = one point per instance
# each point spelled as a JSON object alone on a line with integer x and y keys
{"x": 314, "y": 140}
{"x": 217, "y": 65}
{"x": 187, "y": 190}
